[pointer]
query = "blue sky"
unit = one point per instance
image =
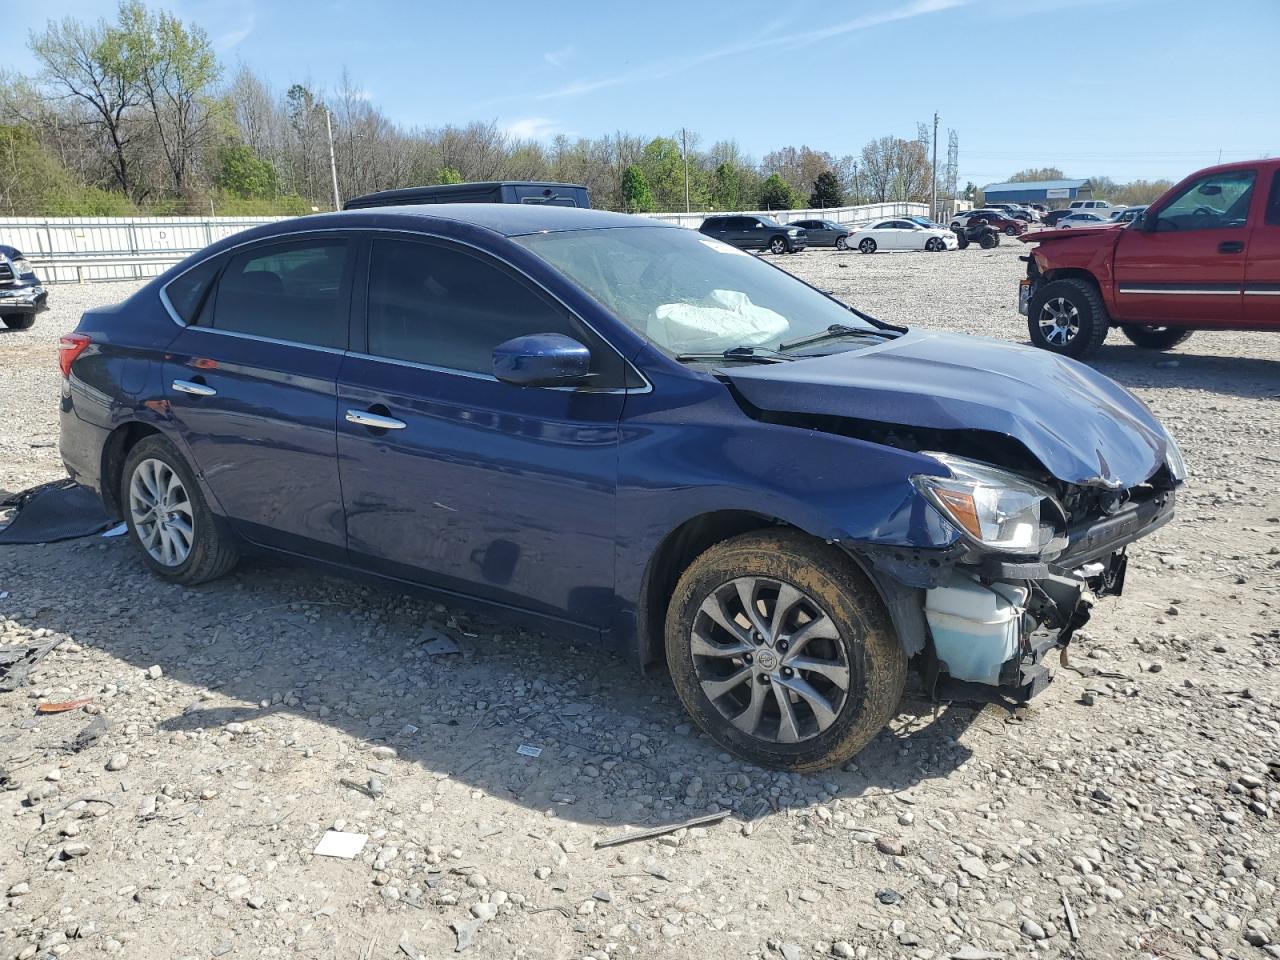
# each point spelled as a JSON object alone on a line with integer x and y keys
{"x": 1126, "y": 88}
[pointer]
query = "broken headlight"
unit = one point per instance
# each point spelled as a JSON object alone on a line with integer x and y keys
{"x": 994, "y": 508}
{"x": 1177, "y": 466}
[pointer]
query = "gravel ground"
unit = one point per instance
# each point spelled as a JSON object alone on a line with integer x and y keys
{"x": 177, "y": 813}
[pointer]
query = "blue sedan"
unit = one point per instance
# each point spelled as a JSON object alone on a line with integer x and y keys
{"x": 624, "y": 431}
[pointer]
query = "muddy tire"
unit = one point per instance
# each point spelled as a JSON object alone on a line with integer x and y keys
{"x": 1068, "y": 317}
{"x": 194, "y": 545}
{"x": 18, "y": 321}
{"x": 804, "y": 682}
{"x": 962, "y": 241}
{"x": 989, "y": 240}
{"x": 1154, "y": 337}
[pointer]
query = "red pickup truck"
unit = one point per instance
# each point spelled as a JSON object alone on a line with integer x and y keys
{"x": 1205, "y": 256}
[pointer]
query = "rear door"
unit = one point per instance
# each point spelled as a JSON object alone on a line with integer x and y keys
{"x": 1188, "y": 263}
{"x": 476, "y": 486}
{"x": 252, "y": 388}
{"x": 1262, "y": 271}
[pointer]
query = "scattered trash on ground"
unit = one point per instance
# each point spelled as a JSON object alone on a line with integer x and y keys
{"x": 62, "y": 707}
{"x": 16, "y": 662}
{"x": 527, "y": 751}
{"x": 344, "y": 846}
{"x": 649, "y": 834}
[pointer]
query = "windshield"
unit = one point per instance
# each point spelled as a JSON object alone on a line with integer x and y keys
{"x": 687, "y": 293}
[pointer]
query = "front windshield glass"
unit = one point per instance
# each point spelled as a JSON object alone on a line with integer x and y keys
{"x": 687, "y": 293}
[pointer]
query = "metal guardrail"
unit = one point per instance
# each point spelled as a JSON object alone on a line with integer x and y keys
{"x": 89, "y": 249}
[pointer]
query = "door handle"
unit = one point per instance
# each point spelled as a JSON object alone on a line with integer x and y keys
{"x": 195, "y": 389}
{"x": 1231, "y": 246}
{"x": 374, "y": 421}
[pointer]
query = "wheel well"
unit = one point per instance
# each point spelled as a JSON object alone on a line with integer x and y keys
{"x": 122, "y": 439}
{"x": 673, "y": 556}
{"x": 1069, "y": 273}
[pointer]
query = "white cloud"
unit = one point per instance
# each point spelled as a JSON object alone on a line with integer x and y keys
{"x": 789, "y": 41}
{"x": 532, "y": 128}
{"x": 557, "y": 57}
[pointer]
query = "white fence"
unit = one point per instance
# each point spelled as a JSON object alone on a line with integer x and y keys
{"x": 83, "y": 249}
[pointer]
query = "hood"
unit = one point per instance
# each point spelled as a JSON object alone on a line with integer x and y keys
{"x": 1056, "y": 233}
{"x": 1083, "y": 427}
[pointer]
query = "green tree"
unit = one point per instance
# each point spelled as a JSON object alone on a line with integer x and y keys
{"x": 663, "y": 168}
{"x": 244, "y": 174}
{"x": 776, "y": 194}
{"x": 636, "y": 195}
{"x": 98, "y": 67}
{"x": 726, "y": 188}
{"x": 1037, "y": 173}
{"x": 448, "y": 175}
{"x": 826, "y": 191}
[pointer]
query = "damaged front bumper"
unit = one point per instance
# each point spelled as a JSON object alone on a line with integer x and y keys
{"x": 991, "y": 619}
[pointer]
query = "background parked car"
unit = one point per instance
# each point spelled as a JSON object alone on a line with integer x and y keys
{"x": 22, "y": 295}
{"x": 961, "y": 219}
{"x": 1085, "y": 219}
{"x": 1104, "y": 207}
{"x": 1051, "y": 218}
{"x": 1129, "y": 214}
{"x": 755, "y": 233}
{"x": 902, "y": 235}
{"x": 824, "y": 233}
{"x": 1005, "y": 224}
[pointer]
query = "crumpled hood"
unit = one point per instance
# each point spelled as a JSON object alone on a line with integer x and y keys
{"x": 1084, "y": 427}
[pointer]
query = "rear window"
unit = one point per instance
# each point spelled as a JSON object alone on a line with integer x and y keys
{"x": 188, "y": 293}
{"x": 294, "y": 292}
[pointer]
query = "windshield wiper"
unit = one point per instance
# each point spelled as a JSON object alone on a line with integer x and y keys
{"x": 831, "y": 333}
{"x": 733, "y": 353}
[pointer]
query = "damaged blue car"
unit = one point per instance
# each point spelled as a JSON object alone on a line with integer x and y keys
{"x": 625, "y": 431}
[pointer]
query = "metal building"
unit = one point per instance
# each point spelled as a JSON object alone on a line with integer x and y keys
{"x": 1039, "y": 191}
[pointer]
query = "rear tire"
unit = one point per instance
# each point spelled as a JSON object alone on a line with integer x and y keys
{"x": 854, "y": 644}
{"x": 1068, "y": 317}
{"x": 19, "y": 321}
{"x": 212, "y": 549}
{"x": 1154, "y": 337}
{"x": 867, "y": 245}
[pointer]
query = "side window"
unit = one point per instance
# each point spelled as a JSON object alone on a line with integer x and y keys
{"x": 1213, "y": 202}
{"x": 189, "y": 292}
{"x": 1273, "y": 202}
{"x": 289, "y": 291}
{"x": 444, "y": 307}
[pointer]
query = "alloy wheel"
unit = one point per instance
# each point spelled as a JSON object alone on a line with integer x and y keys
{"x": 1059, "y": 321}
{"x": 770, "y": 659}
{"x": 778, "y": 246}
{"x": 162, "y": 514}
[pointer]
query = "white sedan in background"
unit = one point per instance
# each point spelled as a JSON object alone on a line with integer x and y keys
{"x": 1085, "y": 218}
{"x": 902, "y": 235}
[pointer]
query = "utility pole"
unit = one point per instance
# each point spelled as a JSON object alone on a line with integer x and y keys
{"x": 684, "y": 150}
{"x": 933, "y": 186}
{"x": 333, "y": 164}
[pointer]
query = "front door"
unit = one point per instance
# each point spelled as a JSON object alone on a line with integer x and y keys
{"x": 1187, "y": 263}
{"x": 465, "y": 483}
{"x": 252, "y": 388}
{"x": 1262, "y": 272}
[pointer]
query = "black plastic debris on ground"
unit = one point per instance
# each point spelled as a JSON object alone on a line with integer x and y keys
{"x": 17, "y": 662}
{"x": 56, "y": 511}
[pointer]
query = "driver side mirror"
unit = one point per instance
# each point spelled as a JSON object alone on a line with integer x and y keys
{"x": 541, "y": 360}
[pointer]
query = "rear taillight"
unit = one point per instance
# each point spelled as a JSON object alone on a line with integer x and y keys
{"x": 70, "y": 346}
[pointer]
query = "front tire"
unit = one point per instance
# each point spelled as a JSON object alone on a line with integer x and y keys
{"x": 1154, "y": 337}
{"x": 782, "y": 652}
{"x": 867, "y": 245}
{"x": 1010, "y": 231}
{"x": 935, "y": 245}
{"x": 180, "y": 538}
{"x": 778, "y": 245}
{"x": 990, "y": 240}
{"x": 19, "y": 321}
{"x": 1068, "y": 317}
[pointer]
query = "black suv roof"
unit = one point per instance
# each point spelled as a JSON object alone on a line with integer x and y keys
{"x": 477, "y": 192}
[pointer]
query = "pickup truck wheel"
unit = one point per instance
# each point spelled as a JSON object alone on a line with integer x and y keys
{"x": 1154, "y": 338}
{"x": 778, "y": 245}
{"x": 989, "y": 240}
{"x": 1068, "y": 317}
{"x": 782, "y": 652}
{"x": 867, "y": 245}
{"x": 19, "y": 321}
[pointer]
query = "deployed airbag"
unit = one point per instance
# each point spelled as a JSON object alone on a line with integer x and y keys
{"x": 727, "y": 319}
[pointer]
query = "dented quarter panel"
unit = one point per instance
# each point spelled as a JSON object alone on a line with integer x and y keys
{"x": 1082, "y": 426}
